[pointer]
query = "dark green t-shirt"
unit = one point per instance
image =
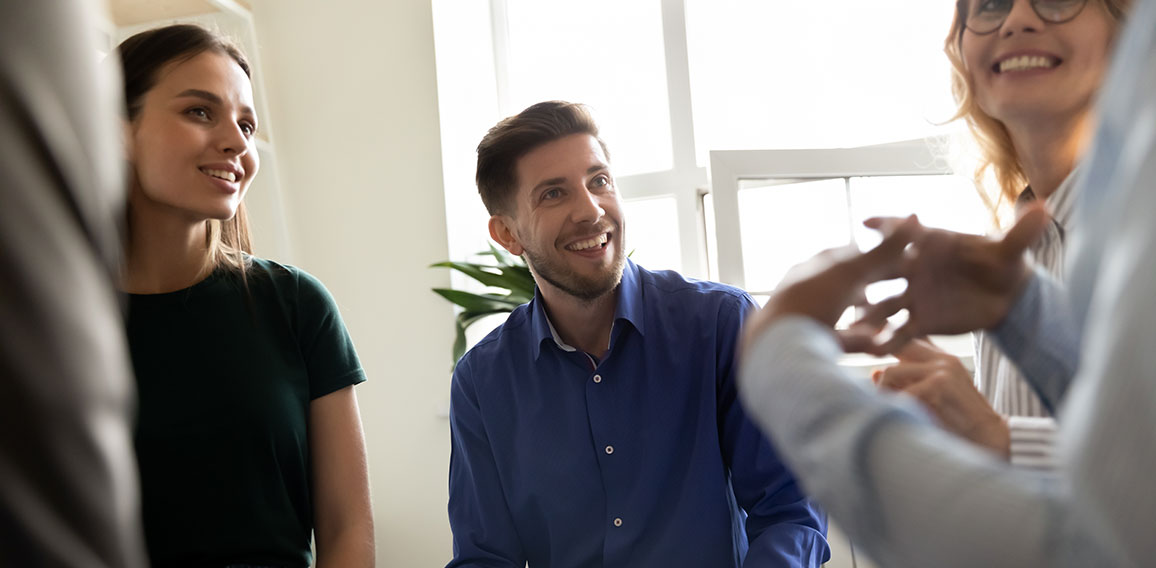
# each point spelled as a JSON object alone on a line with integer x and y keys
{"x": 222, "y": 439}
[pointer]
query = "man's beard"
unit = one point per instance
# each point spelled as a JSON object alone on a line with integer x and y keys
{"x": 579, "y": 286}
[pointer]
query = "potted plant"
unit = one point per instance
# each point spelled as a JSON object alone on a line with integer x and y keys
{"x": 507, "y": 273}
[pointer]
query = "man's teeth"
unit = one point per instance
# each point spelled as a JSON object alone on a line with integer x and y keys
{"x": 223, "y": 174}
{"x": 1026, "y": 62}
{"x": 589, "y": 244}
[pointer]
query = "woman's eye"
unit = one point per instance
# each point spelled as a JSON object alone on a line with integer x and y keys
{"x": 993, "y": 6}
{"x": 248, "y": 128}
{"x": 553, "y": 193}
{"x": 198, "y": 112}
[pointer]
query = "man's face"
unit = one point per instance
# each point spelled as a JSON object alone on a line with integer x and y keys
{"x": 566, "y": 218}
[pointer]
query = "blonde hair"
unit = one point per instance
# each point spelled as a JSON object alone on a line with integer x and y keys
{"x": 997, "y": 152}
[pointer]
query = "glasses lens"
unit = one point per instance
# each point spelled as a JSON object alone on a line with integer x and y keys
{"x": 1058, "y": 11}
{"x": 985, "y": 16}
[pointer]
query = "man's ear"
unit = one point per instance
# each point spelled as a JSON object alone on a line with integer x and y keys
{"x": 502, "y": 231}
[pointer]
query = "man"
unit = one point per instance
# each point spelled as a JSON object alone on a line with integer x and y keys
{"x": 600, "y": 426}
{"x": 68, "y": 484}
{"x": 916, "y": 496}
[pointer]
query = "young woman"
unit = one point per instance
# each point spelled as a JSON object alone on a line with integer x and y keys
{"x": 249, "y": 439}
{"x": 1026, "y": 73}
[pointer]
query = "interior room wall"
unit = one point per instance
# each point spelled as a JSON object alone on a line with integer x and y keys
{"x": 352, "y": 94}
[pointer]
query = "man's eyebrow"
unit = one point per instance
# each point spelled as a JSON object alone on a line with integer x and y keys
{"x": 551, "y": 181}
{"x": 596, "y": 167}
{"x": 211, "y": 97}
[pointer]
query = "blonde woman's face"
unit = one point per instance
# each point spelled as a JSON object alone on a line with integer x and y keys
{"x": 193, "y": 148}
{"x": 1030, "y": 69}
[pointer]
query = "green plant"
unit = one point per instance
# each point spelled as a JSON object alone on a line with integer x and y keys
{"x": 508, "y": 272}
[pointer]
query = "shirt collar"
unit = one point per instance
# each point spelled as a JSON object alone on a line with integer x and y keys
{"x": 1060, "y": 203}
{"x": 629, "y": 309}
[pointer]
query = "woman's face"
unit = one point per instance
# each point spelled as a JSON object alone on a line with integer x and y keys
{"x": 193, "y": 151}
{"x": 1030, "y": 69}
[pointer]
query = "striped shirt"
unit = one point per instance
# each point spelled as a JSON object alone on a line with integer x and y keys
{"x": 1029, "y": 421}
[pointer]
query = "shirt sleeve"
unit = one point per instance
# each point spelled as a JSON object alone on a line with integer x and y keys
{"x": 484, "y": 534}
{"x": 911, "y": 494}
{"x": 325, "y": 344}
{"x": 1040, "y": 336}
{"x": 783, "y": 527}
{"x": 1033, "y": 442}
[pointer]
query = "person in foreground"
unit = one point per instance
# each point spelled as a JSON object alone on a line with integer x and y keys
{"x": 915, "y": 495}
{"x": 68, "y": 479}
{"x": 600, "y": 424}
{"x": 1026, "y": 74}
{"x": 249, "y": 439}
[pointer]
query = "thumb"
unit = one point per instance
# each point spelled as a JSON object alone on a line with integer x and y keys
{"x": 1026, "y": 231}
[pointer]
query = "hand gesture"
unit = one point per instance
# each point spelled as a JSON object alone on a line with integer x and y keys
{"x": 823, "y": 287}
{"x": 945, "y": 387}
{"x": 956, "y": 282}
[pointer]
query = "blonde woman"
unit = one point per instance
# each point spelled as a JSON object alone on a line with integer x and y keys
{"x": 248, "y": 438}
{"x": 1025, "y": 76}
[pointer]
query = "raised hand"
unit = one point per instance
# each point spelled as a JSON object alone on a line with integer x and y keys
{"x": 940, "y": 381}
{"x": 823, "y": 287}
{"x": 956, "y": 282}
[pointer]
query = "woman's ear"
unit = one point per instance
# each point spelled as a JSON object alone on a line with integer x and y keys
{"x": 502, "y": 231}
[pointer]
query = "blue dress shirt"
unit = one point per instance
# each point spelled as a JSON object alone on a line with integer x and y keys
{"x": 645, "y": 458}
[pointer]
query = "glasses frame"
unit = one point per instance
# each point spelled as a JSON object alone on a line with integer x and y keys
{"x": 961, "y": 7}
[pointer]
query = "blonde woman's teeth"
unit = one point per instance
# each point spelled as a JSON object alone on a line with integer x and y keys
{"x": 1024, "y": 62}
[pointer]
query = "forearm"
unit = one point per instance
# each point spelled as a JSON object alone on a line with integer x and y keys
{"x": 352, "y": 547}
{"x": 1039, "y": 335}
{"x": 906, "y": 490}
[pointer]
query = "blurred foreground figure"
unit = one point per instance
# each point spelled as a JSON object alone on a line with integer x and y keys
{"x": 915, "y": 495}
{"x": 68, "y": 482}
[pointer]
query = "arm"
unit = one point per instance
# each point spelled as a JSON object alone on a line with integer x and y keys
{"x": 783, "y": 527}
{"x": 484, "y": 534}
{"x": 910, "y": 493}
{"x": 1039, "y": 335}
{"x": 342, "y": 514}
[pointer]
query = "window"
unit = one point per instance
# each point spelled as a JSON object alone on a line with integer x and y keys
{"x": 830, "y": 86}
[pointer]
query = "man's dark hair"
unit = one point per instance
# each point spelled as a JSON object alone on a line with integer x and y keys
{"x": 518, "y": 135}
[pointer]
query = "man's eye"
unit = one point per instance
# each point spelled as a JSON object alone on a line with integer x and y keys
{"x": 248, "y": 128}
{"x": 551, "y": 194}
{"x": 600, "y": 181}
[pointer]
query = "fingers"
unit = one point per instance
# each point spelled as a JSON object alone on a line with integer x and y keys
{"x": 919, "y": 351}
{"x": 898, "y": 339}
{"x": 884, "y": 262}
{"x": 886, "y": 225}
{"x": 875, "y": 315}
{"x": 904, "y": 375}
{"x": 1026, "y": 231}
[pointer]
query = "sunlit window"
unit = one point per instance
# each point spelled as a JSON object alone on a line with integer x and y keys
{"x": 605, "y": 53}
{"x": 816, "y": 74}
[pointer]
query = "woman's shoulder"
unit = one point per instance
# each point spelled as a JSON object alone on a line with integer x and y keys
{"x": 286, "y": 280}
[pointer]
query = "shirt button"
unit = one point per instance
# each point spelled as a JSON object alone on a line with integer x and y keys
{"x": 618, "y": 522}
{"x": 597, "y": 378}
{"x": 609, "y": 449}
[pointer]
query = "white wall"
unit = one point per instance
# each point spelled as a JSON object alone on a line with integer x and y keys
{"x": 353, "y": 99}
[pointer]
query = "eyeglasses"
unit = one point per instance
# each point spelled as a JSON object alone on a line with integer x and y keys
{"x": 986, "y": 16}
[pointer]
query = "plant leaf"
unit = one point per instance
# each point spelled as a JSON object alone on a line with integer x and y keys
{"x": 496, "y": 276}
{"x": 478, "y": 302}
